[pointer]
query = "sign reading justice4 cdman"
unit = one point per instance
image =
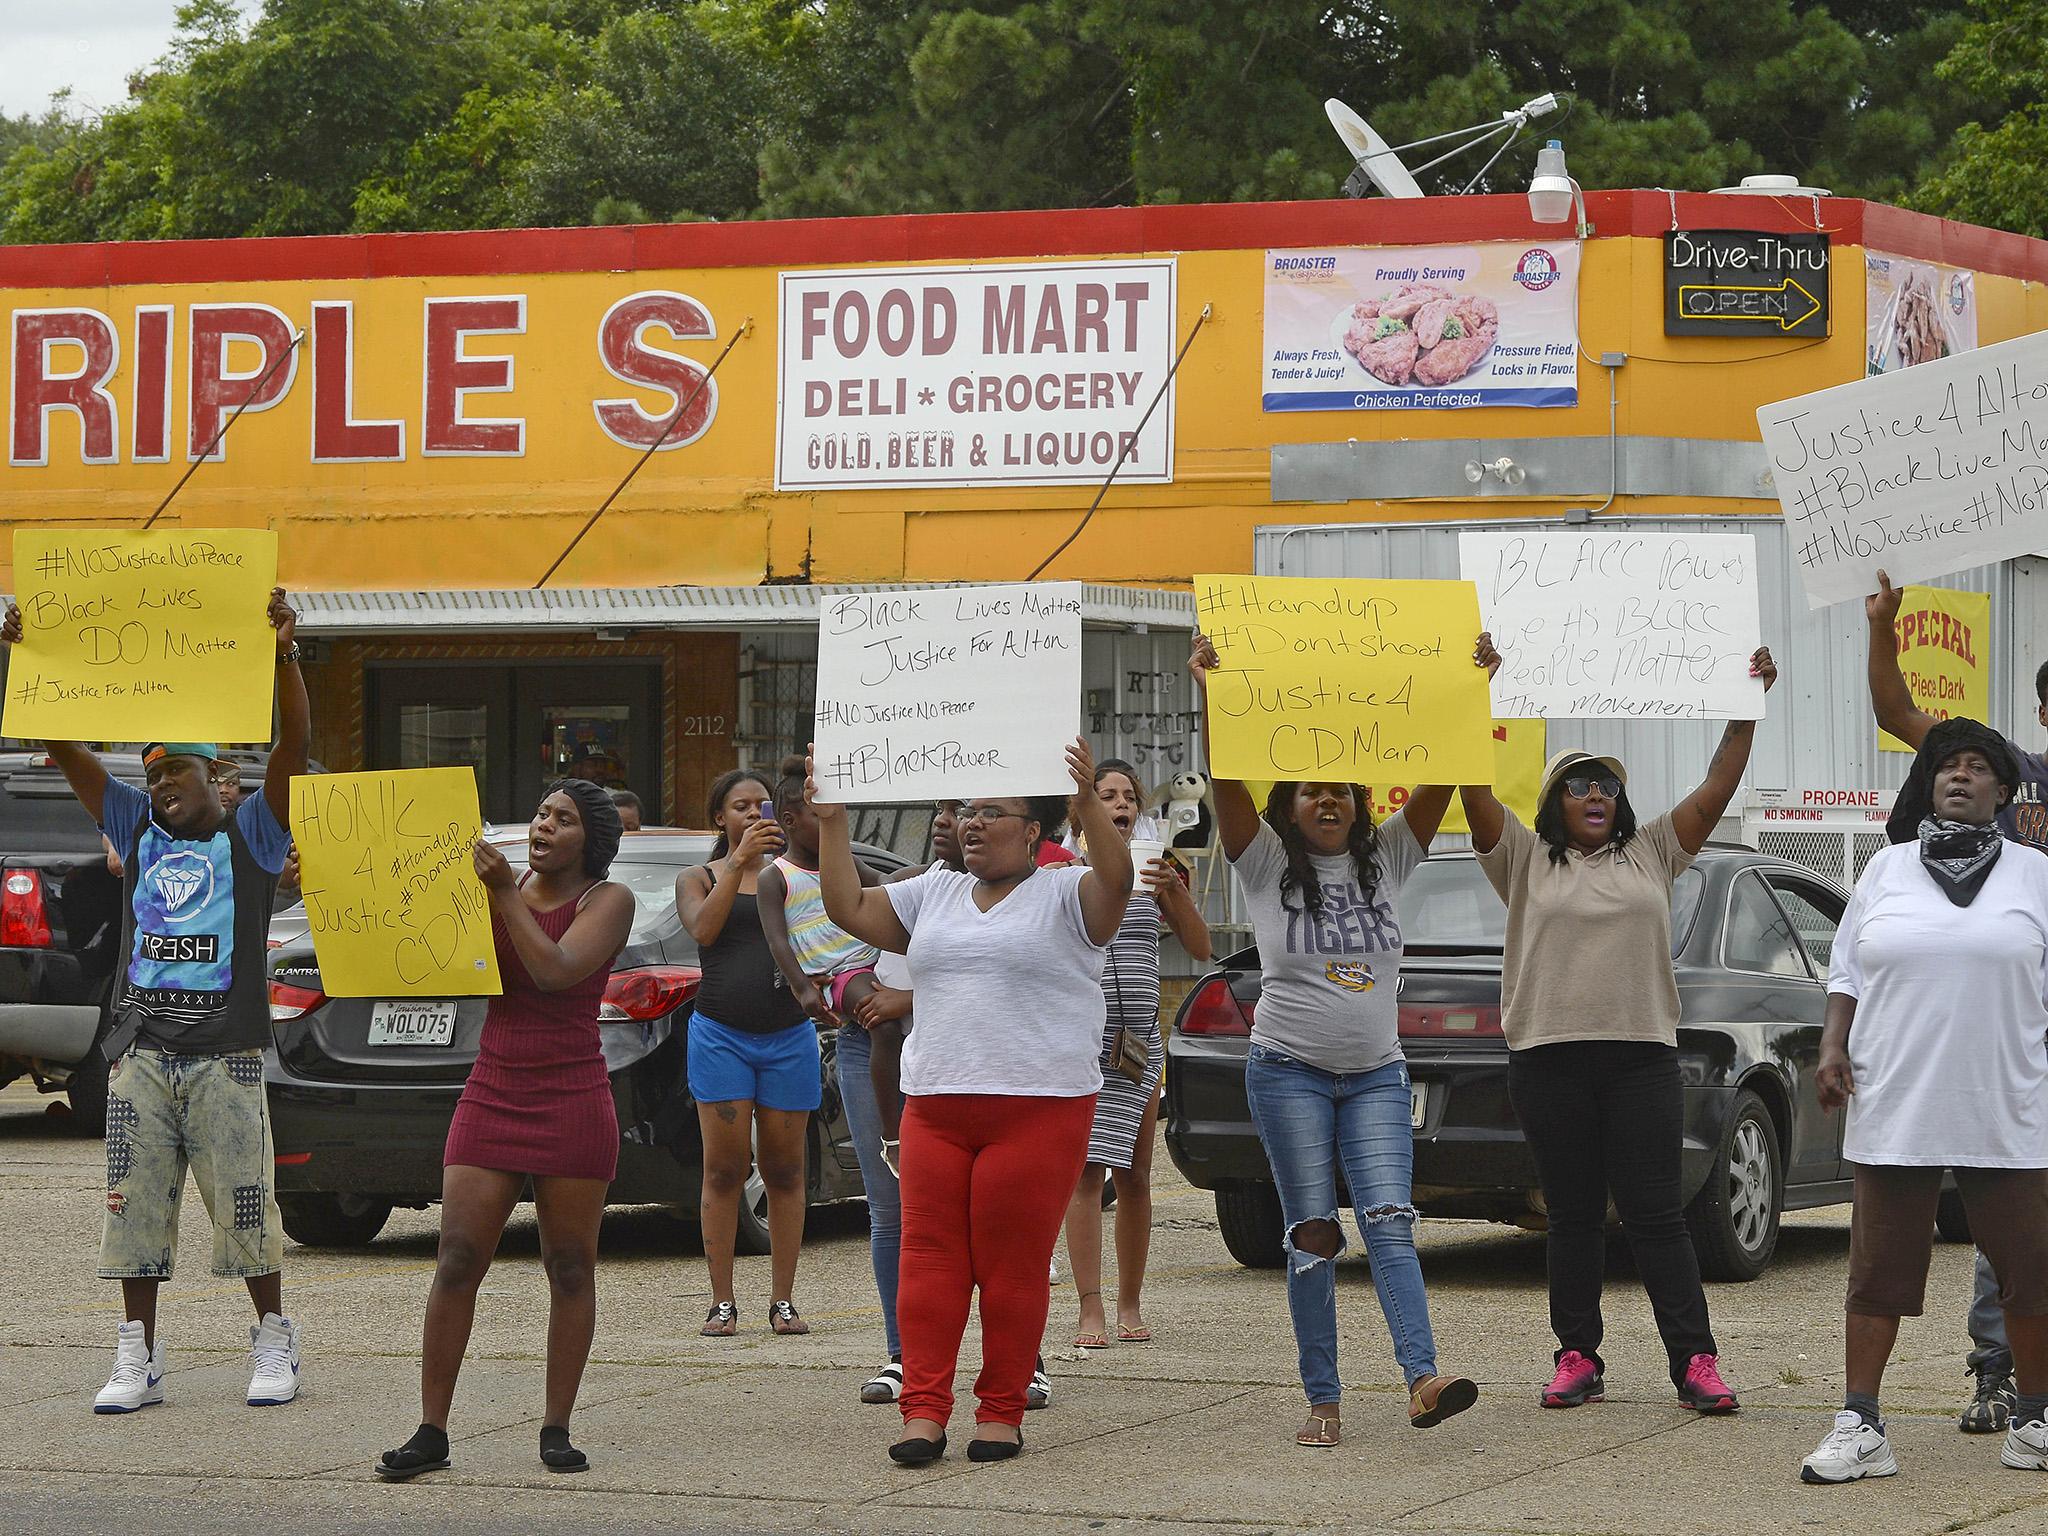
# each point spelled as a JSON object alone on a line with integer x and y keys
{"x": 1000, "y": 375}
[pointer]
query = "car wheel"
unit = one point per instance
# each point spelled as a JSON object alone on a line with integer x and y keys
{"x": 1950, "y": 1219}
{"x": 1734, "y": 1217}
{"x": 87, "y": 1091}
{"x": 332, "y": 1221}
{"x": 1248, "y": 1216}
{"x": 751, "y": 1234}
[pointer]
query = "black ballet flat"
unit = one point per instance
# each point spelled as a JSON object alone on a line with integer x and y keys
{"x": 995, "y": 1450}
{"x": 915, "y": 1452}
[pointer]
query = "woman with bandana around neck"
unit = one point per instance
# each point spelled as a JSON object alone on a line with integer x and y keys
{"x": 1937, "y": 1041}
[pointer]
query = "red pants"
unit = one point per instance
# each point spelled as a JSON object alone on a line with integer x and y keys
{"x": 986, "y": 1181}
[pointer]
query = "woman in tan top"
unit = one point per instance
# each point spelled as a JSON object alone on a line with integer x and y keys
{"x": 1590, "y": 1008}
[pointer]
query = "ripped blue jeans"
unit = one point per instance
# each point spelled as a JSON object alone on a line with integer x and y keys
{"x": 1311, "y": 1121}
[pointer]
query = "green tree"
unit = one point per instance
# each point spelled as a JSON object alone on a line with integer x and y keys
{"x": 1997, "y": 171}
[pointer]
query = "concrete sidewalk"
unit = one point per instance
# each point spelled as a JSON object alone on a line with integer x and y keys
{"x": 761, "y": 1433}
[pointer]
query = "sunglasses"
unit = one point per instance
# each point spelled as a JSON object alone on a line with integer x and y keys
{"x": 1580, "y": 785}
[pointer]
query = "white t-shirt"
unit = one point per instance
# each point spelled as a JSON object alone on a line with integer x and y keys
{"x": 893, "y": 971}
{"x": 1950, "y": 1044}
{"x": 1009, "y": 1000}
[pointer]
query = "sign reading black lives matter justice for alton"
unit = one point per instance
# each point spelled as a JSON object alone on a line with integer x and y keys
{"x": 1740, "y": 282}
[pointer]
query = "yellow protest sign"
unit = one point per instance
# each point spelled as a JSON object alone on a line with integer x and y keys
{"x": 1943, "y": 654}
{"x": 1363, "y": 682}
{"x": 1518, "y": 756}
{"x": 394, "y": 904}
{"x": 143, "y": 636}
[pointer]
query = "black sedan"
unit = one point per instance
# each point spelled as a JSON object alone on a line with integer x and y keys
{"x": 361, "y": 1089}
{"x": 1750, "y": 940}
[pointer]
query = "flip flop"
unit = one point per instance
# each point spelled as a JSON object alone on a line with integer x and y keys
{"x": 1138, "y": 1335}
{"x": 1091, "y": 1341}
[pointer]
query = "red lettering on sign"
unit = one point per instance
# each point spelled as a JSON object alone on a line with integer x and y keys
{"x": 623, "y": 348}
{"x": 452, "y": 376}
{"x": 216, "y": 389}
{"x": 40, "y": 388}
{"x": 152, "y": 412}
{"x": 338, "y": 438}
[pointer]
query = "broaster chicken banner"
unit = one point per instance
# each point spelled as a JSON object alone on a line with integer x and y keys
{"x": 1028, "y": 374}
{"x": 1422, "y": 328}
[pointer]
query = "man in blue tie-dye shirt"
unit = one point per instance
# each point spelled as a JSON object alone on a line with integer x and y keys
{"x": 190, "y": 1018}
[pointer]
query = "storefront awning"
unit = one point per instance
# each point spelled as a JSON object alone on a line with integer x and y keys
{"x": 615, "y": 608}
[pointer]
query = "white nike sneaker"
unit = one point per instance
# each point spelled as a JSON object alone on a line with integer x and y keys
{"x": 2026, "y": 1447}
{"x": 274, "y": 1347}
{"x": 1852, "y": 1450}
{"x": 138, "y": 1378}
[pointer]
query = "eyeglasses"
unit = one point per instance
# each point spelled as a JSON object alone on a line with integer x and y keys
{"x": 986, "y": 813}
{"x": 1581, "y": 785}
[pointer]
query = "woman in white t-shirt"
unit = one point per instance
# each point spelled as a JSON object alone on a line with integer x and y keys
{"x": 1937, "y": 1040}
{"x": 999, "y": 1080}
{"x": 1325, "y": 1076}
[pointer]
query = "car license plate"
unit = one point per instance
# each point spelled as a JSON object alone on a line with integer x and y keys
{"x": 412, "y": 1022}
{"x": 1418, "y": 1104}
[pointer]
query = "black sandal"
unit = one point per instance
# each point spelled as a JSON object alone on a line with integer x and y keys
{"x": 721, "y": 1322}
{"x": 558, "y": 1454}
{"x": 426, "y": 1451}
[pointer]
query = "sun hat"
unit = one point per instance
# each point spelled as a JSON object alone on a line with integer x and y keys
{"x": 1562, "y": 763}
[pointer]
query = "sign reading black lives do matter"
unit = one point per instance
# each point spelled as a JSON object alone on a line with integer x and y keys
{"x": 1740, "y": 282}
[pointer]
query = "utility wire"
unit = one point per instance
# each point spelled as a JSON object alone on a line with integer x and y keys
{"x": 254, "y": 390}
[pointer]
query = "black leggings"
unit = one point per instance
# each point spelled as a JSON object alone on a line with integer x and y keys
{"x": 1606, "y": 1116}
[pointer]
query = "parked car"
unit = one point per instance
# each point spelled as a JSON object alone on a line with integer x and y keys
{"x": 60, "y": 924}
{"x": 1750, "y": 940}
{"x": 360, "y": 1117}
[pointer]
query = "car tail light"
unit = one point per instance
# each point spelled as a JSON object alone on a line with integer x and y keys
{"x": 288, "y": 1002}
{"x": 24, "y": 922}
{"x": 1215, "y": 1011}
{"x": 1449, "y": 1020}
{"x": 648, "y": 992}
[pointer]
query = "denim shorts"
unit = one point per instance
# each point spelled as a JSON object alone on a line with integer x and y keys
{"x": 166, "y": 1113}
{"x": 779, "y": 1071}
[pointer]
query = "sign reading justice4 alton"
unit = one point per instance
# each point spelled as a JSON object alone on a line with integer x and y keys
{"x": 1357, "y": 682}
{"x": 1619, "y": 626}
{"x": 131, "y": 636}
{"x": 947, "y": 692}
{"x": 1002, "y": 375}
{"x": 1919, "y": 473}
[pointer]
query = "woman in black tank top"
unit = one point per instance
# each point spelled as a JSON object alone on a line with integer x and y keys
{"x": 753, "y": 1054}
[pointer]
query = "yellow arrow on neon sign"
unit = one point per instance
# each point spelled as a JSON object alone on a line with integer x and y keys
{"x": 1785, "y": 321}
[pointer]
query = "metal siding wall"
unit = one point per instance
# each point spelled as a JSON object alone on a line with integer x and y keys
{"x": 1819, "y": 731}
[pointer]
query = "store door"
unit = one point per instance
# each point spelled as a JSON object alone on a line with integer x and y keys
{"x": 522, "y": 725}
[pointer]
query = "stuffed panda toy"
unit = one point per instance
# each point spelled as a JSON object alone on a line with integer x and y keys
{"x": 1189, "y": 823}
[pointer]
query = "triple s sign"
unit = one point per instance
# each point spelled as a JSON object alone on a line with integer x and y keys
{"x": 1818, "y": 804}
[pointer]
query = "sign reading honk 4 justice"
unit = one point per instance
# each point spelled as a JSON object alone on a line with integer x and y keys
{"x": 128, "y": 636}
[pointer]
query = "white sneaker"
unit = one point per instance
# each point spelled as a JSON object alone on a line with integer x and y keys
{"x": 274, "y": 1346}
{"x": 1852, "y": 1450}
{"x": 138, "y": 1378}
{"x": 2026, "y": 1447}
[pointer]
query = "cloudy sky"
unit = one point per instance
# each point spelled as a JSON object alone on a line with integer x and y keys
{"x": 92, "y": 46}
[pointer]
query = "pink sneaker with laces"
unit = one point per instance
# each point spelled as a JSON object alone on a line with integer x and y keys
{"x": 1703, "y": 1389}
{"x": 1577, "y": 1381}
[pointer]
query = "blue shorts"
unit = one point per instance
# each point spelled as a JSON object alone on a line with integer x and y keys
{"x": 778, "y": 1071}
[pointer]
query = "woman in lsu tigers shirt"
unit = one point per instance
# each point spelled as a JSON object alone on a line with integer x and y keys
{"x": 1325, "y": 1075}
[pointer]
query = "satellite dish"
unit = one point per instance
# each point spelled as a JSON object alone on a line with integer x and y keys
{"x": 1376, "y": 162}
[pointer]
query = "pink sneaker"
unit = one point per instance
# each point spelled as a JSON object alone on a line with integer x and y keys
{"x": 1577, "y": 1381}
{"x": 1703, "y": 1387}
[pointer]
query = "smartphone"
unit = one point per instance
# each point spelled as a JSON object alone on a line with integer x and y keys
{"x": 767, "y": 810}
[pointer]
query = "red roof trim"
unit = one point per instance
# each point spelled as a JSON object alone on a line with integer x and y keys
{"x": 998, "y": 236}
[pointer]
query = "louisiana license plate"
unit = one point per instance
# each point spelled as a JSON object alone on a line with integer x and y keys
{"x": 1418, "y": 1104}
{"x": 412, "y": 1022}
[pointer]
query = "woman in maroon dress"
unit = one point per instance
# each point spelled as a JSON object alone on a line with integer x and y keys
{"x": 538, "y": 1103}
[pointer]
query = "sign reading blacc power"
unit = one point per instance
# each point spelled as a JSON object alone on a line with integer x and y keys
{"x": 1740, "y": 282}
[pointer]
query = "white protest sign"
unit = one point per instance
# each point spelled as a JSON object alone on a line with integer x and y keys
{"x": 1619, "y": 626}
{"x": 1919, "y": 473}
{"x": 947, "y": 693}
{"x": 1025, "y": 374}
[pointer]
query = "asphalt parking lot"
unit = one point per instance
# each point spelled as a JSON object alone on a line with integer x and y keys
{"x": 764, "y": 1434}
